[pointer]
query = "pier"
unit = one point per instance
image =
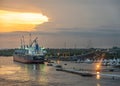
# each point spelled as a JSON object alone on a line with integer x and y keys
{"x": 82, "y": 73}
{"x": 87, "y": 71}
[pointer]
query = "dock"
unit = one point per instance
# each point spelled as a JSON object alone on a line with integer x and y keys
{"x": 82, "y": 73}
{"x": 88, "y": 73}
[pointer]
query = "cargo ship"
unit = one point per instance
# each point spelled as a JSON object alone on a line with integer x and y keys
{"x": 31, "y": 53}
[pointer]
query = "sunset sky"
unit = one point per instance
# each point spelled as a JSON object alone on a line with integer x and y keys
{"x": 93, "y": 23}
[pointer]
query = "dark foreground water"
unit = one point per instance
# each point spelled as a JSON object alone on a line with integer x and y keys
{"x": 17, "y": 74}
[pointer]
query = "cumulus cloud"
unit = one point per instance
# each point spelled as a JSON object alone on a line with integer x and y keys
{"x": 20, "y": 21}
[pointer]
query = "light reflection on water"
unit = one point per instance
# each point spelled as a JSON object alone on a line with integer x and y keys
{"x": 23, "y": 72}
{"x": 98, "y": 76}
{"x": 34, "y": 72}
{"x": 8, "y": 70}
{"x": 19, "y": 74}
{"x": 98, "y": 84}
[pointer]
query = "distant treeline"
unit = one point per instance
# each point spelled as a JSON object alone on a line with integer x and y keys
{"x": 111, "y": 53}
{"x": 7, "y": 52}
{"x": 52, "y": 52}
{"x": 68, "y": 52}
{"x": 85, "y": 53}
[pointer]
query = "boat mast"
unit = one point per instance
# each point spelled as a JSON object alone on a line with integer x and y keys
{"x": 30, "y": 41}
{"x": 23, "y": 42}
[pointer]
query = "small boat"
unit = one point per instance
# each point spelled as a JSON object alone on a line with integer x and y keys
{"x": 31, "y": 53}
{"x": 87, "y": 74}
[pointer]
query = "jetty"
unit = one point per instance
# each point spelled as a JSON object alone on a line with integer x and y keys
{"x": 82, "y": 73}
{"x": 87, "y": 73}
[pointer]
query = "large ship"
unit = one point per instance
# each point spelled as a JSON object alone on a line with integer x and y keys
{"x": 31, "y": 53}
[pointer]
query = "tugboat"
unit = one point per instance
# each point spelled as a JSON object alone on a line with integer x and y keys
{"x": 31, "y": 53}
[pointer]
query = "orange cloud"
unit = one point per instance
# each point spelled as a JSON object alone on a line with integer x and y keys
{"x": 20, "y": 21}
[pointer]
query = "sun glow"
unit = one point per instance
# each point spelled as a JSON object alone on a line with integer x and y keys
{"x": 20, "y": 21}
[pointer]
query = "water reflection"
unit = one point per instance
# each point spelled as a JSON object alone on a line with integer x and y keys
{"x": 98, "y": 76}
{"x": 98, "y": 84}
{"x": 34, "y": 72}
{"x": 8, "y": 70}
{"x": 58, "y": 61}
{"x": 13, "y": 73}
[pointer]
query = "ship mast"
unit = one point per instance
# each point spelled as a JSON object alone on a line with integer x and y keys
{"x": 23, "y": 42}
{"x": 30, "y": 39}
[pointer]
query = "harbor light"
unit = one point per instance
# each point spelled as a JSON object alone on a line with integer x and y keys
{"x": 98, "y": 68}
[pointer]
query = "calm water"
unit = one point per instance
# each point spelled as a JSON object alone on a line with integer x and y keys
{"x": 17, "y": 74}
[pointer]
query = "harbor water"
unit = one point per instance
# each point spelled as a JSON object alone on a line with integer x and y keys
{"x": 18, "y": 74}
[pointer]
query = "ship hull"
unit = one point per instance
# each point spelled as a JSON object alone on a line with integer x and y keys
{"x": 27, "y": 59}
